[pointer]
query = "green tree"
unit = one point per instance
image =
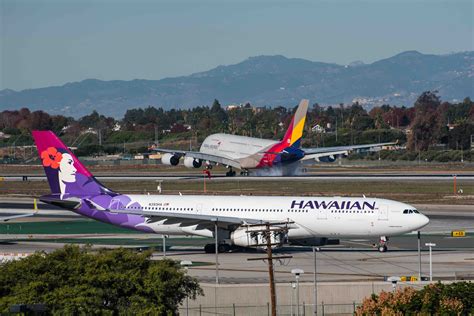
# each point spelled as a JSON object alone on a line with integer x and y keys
{"x": 426, "y": 126}
{"x": 76, "y": 281}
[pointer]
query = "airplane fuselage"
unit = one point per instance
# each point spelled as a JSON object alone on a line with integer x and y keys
{"x": 251, "y": 152}
{"x": 312, "y": 216}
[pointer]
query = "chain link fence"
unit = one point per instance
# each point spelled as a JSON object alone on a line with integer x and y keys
{"x": 283, "y": 310}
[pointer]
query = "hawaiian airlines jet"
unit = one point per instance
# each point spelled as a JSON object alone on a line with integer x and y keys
{"x": 247, "y": 153}
{"x": 309, "y": 220}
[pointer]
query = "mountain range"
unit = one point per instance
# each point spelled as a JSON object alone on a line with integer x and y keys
{"x": 264, "y": 81}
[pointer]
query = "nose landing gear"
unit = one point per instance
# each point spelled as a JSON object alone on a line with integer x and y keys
{"x": 382, "y": 245}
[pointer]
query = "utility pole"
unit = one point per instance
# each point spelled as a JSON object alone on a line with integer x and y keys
{"x": 315, "y": 250}
{"x": 267, "y": 233}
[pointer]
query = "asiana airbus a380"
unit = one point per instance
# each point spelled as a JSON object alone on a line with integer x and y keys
{"x": 309, "y": 220}
{"x": 250, "y": 153}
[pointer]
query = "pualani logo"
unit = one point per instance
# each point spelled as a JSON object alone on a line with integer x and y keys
{"x": 347, "y": 205}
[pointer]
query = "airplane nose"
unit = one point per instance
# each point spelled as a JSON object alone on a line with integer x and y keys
{"x": 423, "y": 220}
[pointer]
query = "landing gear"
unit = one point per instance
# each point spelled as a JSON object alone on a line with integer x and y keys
{"x": 230, "y": 173}
{"x": 244, "y": 172}
{"x": 211, "y": 248}
{"x": 382, "y": 245}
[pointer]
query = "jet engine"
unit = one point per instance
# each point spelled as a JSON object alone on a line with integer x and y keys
{"x": 169, "y": 159}
{"x": 254, "y": 237}
{"x": 191, "y": 162}
{"x": 330, "y": 158}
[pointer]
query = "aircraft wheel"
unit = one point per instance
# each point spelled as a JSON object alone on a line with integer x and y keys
{"x": 230, "y": 173}
{"x": 223, "y": 248}
{"x": 383, "y": 248}
{"x": 209, "y": 248}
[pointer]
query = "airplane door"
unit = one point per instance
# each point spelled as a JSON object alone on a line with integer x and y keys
{"x": 199, "y": 208}
{"x": 322, "y": 214}
{"x": 383, "y": 213}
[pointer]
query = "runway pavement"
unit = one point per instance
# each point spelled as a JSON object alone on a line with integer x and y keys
{"x": 331, "y": 176}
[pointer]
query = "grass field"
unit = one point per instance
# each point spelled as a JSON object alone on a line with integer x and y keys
{"x": 414, "y": 191}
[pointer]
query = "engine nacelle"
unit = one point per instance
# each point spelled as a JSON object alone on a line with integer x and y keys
{"x": 169, "y": 159}
{"x": 330, "y": 158}
{"x": 191, "y": 162}
{"x": 254, "y": 237}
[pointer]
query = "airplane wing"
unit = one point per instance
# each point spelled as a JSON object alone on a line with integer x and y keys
{"x": 199, "y": 155}
{"x": 312, "y": 153}
{"x": 195, "y": 218}
{"x": 8, "y": 218}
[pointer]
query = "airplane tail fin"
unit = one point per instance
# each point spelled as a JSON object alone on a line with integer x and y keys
{"x": 295, "y": 129}
{"x": 65, "y": 173}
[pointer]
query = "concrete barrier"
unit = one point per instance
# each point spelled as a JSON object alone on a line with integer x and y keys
{"x": 259, "y": 294}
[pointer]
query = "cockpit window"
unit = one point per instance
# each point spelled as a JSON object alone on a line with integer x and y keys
{"x": 410, "y": 212}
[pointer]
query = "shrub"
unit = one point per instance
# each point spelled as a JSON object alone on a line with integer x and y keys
{"x": 437, "y": 298}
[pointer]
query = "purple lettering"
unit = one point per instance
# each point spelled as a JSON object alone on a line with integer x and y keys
{"x": 319, "y": 205}
{"x": 334, "y": 204}
{"x": 355, "y": 205}
{"x": 294, "y": 203}
{"x": 368, "y": 205}
{"x": 309, "y": 204}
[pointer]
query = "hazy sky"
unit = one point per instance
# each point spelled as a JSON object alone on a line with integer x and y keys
{"x": 52, "y": 42}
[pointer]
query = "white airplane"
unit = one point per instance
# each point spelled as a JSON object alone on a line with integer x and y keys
{"x": 246, "y": 153}
{"x": 309, "y": 220}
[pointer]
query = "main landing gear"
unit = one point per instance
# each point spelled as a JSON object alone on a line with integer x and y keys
{"x": 230, "y": 173}
{"x": 382, "y": 245}
{"x": 211, "y": 248}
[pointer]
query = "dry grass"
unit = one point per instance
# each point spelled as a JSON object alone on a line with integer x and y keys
{"x": 429, "y": 191}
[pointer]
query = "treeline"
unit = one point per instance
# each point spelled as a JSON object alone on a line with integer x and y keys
{"x": 427, "y": 123}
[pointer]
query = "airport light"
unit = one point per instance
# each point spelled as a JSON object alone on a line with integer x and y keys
{"x": 430, "y": 244}
{"x": 297, "y": 273}
{"x": 394, "y": 280}
{"x": 186, "y": 264}
{"x": 293, "y": 287}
